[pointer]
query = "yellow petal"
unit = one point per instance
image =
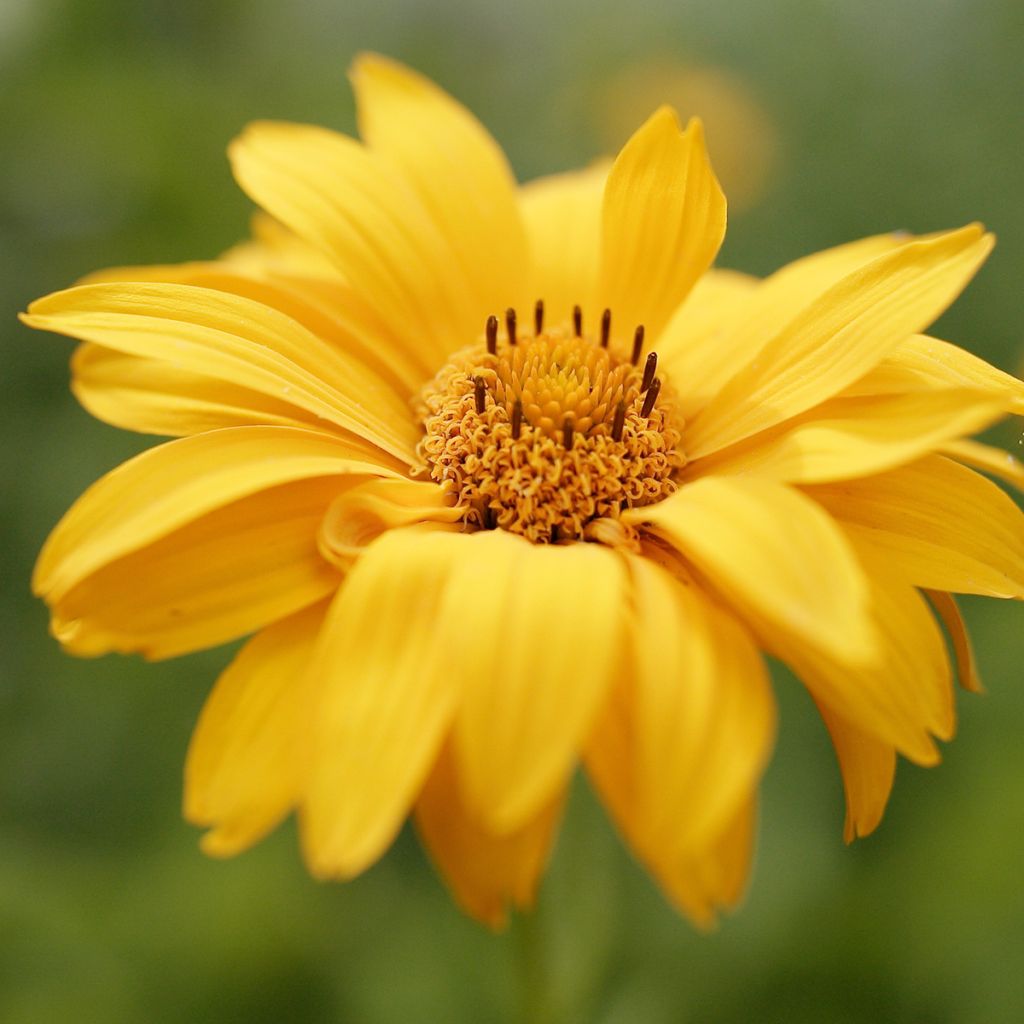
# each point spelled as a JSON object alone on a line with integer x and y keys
{"x": 662, "y": 221}
{"x": 966, "y": 667}
{"x": 855, "y": 437}
{"x": 996, "y": 461}
{"x": 712, "y": 880}
{"x": 385, "y": 696}
{"x": 245, "y": 343}
{"x": 540, "y": 641}
{"x": 243, "y": 771}
{"x": 942, "y": 525}
{"x": 702, "y": 880}
{"x": 360, "y": 514}
{"x": 456, "y": 169}
{"x": 360, "y": 211}
{"x": 868, "y": 767}
{"x": 486, "y": 873}
{"x": 154, "y": 397}
{"x": 562, "y": 214}
{"x": 840, "y": 336}
{"x": 127, "y": 510}
{"x": 703, "y": 711}
{"x": 905, "y": 695}
{"x": 923, "y": 363}
{"x": 775, "y": 556}
{"x": 721, "y": 328}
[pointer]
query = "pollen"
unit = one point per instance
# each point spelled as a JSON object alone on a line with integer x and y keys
{"x": 551, "y": 434}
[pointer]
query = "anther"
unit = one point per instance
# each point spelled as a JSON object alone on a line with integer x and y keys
{"x": 619, "y": 422}
{"x": 638, "y": 344}
{"x": 480, "y": 394}
{"x": 538, "y": 316}
{"x": 606, "y": 327}
{"x": 489, "y": 520}
{"x": 650, "y": 368}
{"x": 492, "y": 334}
{"x": 651, "y": 397}
{"x": 510, "y": 324}
{"x": 555, "y": 533}
{"x": 517, "y": 420}
{"x": 577, "y": 321}
{"x": 567, "y": 433}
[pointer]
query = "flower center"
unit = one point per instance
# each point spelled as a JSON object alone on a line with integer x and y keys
{"x": 550, "y": 434}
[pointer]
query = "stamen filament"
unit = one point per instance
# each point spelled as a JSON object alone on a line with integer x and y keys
{"x": 638, "y": 344}
{"x": 650, "y": 368}
{"x": 510, "y": 324}
{"x": 651, "y": 397}
{"x": 538, "y": 316}
{"x": 492, "y": 335}
{"x": 606, "y": 327}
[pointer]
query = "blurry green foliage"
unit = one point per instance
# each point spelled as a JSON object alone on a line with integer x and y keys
{"x": 115, "y": 115}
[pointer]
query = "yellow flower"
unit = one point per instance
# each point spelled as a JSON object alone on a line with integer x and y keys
{"x": 477, "y": 552}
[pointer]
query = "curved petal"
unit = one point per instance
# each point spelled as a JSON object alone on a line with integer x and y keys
{"x": 720, "y": 329}
{"x": 906, "y": 693}
{"x": 456, "y": 169}
{"x": 840, "y": 336}
{"x": 486, "y": 873}
{"x": 966, "y": 667}
{"x": 997, "y": 461}
{"x": 942, "y": 525}
{"x": 562, "y": 214}
{"x": 856, "y": 437}
{"x": 926, "y": 363}
{"x": 243, "y": 771}
{"x": 702, "y": 710}
{"x": 540, "y": 642}
{"x": 776, "y": 557}
{"x": 662, "y": 222}
{"x": 360, "y": 514}
{"x": 868, "y": 768}
{"x": 197, "y": 541}
{"x": 247, "y": 344}
{"x": 384, "y": 697}
{"x": 360, "y": 211}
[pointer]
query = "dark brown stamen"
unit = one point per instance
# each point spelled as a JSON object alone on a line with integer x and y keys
{"x": 555, "y": 534}
{"x": 650, "y": 368}
{"x": 510, "y": 324}
{"x": 567, "y": 433}
{"x": 489, "y": 520}
{"x": 638, "y": 344}
{"x": 651, "y": 397}
{"x": 538, "y": 316}
{"x": 606, "y": 327}
{"x": 577, "y": 321}
{"x": 619, "y": 422}
{"x": 492, "y": 334}
{"x": 480, "y": 394}
{"x": 517, "y": 420}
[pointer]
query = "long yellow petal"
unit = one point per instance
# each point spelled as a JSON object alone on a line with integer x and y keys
{"x": 703, "y": 711}
{"x": 540, "y": 641}
{"x": 966, "y": 667}
{"x": 243, "y": 342}
{"x": 662, "y": 222}
{"x": 359, "y": 210}
{"x": 384, "y": 697}
{"x": 562, "y": 214}
{"x": 776, "y": 557}
{"x": 996, "y": 461}
{"x": 868, "y": 767}
{"x": 942, "y": 525}
{"x": 486, "y": 873}
{"x": 243, "y": 771}
{"x": 902, "y": 699}
{"x": 455, "y": 168}
{"x": 923, "y": 362}
{"x": 719, "y": 329}
{"x": 360, "y": 514}
{"x": 176, "y": 484}
{"x": 855, "y": 437}
{"x": 839, "y": 337}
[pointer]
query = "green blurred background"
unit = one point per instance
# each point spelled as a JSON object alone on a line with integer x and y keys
{"x": 828, "y": 121}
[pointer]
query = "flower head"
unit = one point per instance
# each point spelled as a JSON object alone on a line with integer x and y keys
{"x": 503, "y": 480}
